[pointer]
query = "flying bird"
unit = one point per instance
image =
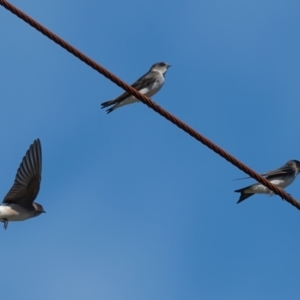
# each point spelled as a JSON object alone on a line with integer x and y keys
{"x": 18, "y": 204}
{"x": 281, "y": 177}
{"x": 148, "y": 85}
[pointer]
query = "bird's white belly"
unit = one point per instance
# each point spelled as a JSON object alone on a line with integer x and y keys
{"x": 14, "y": 212}
{"x": 285, "y": 183}
{"x": 261, "y": 189}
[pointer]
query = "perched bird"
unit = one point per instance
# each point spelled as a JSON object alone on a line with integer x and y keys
{"x": 281, "y": 177}
{"x": 148, "y": 85}
{"x": 18, "y": 204}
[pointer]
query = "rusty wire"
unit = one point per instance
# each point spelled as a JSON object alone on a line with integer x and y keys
{"x": 150, "y": 103}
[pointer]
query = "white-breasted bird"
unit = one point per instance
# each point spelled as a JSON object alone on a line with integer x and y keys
{"x": 281, "y": 177}
{"x": 18, "y": 204}
{"x": 148, "y": 85}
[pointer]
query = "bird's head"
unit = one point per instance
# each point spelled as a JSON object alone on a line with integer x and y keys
{"x": 161, "y": 67}
{"x": 38, "y": 209}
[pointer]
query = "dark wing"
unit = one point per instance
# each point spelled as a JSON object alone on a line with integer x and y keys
{"x": 27, "y": 182}
{"x": 145, "y": 80}
{"x": 286, "y": 169}
{"x": 142, "y": 82}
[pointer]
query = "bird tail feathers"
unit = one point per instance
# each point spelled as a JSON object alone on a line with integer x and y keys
{"x": 243, "y": 195}
{"x": 108, "y": 103}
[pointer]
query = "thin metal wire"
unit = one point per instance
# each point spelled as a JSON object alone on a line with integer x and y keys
{"x": 199, "y": 137}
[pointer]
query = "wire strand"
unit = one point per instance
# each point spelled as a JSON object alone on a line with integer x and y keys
{"x": 199, "y": 137}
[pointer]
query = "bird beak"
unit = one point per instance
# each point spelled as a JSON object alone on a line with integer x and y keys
{"x": 44, "y": 211}
{"x": 169, "y": 66}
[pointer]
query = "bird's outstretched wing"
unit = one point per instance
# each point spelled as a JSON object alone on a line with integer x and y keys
{"x": 28, "y": 178}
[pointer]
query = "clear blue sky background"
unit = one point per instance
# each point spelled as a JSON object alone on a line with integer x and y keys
{"x": 137, "y": 209}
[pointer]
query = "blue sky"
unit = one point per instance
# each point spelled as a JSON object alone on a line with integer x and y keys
{"x": 137, "y": 209}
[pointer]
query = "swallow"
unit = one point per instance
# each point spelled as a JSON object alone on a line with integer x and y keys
{"x": 18, "y": 204}
{"x": 148, "y": 85}
{"x": 281, "y": 177}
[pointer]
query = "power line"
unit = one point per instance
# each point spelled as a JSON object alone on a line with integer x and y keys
{"x": 199, "y": 137}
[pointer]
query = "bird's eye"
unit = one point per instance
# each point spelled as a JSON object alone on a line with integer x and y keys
{"x": 161, "y": 64}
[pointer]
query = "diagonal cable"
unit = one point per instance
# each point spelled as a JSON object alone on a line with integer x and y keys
{"x": 199, "y": 137}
